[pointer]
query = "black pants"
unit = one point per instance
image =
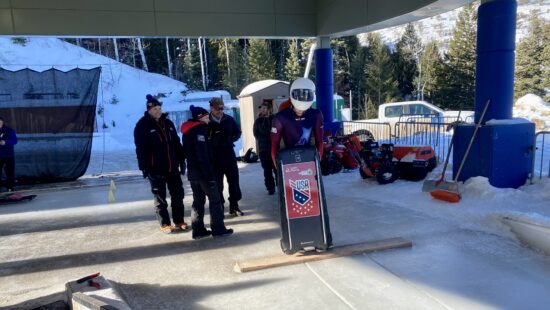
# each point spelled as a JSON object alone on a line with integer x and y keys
{"x": 201, "y": 190}
{"x": 228, "y": 167}
{"x": 270, "y": 172}
{"x": 158, "y": 188}
{"x": 8, "y": 165}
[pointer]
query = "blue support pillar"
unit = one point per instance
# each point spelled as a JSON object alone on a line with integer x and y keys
{"x": 324, "y": 83}
{"x": 496, "y": 37}
{"x": 501, "y": 150}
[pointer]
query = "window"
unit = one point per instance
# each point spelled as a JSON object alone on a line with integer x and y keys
{"x": 419, "y": 109}
{"x": 394, "y": 111}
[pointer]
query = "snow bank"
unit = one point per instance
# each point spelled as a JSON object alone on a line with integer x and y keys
{"x": 533, "y": 108}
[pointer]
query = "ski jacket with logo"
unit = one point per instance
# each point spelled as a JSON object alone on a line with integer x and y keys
{"x": 158, "y": 146}
{"x": 197, "y": 151}
{"x": 7, "y": 134}
{"x": 295, "y": 130}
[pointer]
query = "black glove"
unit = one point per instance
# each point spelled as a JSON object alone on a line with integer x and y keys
{"x": 182, "y": 169}
{"x": 144, "y": 173}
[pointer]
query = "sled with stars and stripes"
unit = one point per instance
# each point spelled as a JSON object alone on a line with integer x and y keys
{"x": 304, "y": 218}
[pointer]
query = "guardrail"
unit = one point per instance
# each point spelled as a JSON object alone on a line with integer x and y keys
{"x": 438, "y": 135}
{"x": 380, "y": 131}
{"x": 539, "y": 150}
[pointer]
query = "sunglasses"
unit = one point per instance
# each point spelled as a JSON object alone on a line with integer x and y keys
{"x": 218, "y": 108}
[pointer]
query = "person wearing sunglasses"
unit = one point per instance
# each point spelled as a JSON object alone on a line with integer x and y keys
{"x": 223, "y": 131}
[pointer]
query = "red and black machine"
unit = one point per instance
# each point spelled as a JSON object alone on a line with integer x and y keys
{"x": 303, "y": 209}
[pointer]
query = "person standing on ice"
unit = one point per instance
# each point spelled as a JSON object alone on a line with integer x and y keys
{"x": 161, "y": 160}
{"x": 299, "y": 123}
{"x": 201, "y": 176}
{"x": 223, "y": 131}
{"x": 8, "y": 139}
{"x": 262, "y": 133}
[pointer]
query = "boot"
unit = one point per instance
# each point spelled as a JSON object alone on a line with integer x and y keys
{"x": 234, "y": 210}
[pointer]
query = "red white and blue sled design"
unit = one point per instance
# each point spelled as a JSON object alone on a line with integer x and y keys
{"x": 304, "y": 217}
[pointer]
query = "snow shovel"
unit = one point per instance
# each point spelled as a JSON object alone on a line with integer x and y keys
{"x": 430, "y": 185}
{"x": 448, "y": 191}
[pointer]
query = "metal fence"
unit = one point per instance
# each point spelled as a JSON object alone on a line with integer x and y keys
{"x": 438, "y": 135}
{"x": 541, "y": 159}
{"x": 435, "y": 134}
{"x": 380, "y": 131}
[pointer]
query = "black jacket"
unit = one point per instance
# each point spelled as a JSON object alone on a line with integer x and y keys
{"x": 262, "y": 133}
{"x": 197, "y": 151}
{"x": 222, "y": 135}
{"x": 7, "y": 134}
{"x": 158, "y": 146}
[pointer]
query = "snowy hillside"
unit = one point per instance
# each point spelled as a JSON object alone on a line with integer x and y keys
{"x": 440, "y": 27}
{"x": 122, "y": 88}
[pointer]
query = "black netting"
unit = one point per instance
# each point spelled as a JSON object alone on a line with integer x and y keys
{"x": 53, "y": 115}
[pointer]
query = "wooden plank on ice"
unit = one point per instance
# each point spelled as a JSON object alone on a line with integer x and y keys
{"x": 337, "y": 251}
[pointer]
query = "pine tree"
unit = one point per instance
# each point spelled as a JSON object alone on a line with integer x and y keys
{"x": 261, "y": 64}
{"x": 406, "y": 57}
{"x": 279, "y": 50}
{"x": 432, "y": 67}
{"x": 381, "y": 84}
{"x": 191, "y": 66}
{"x": 293, "y": 70}
{"x": 343, "y": 51}
{"x": 358, "y": 81}
{"x": 231, "y": 65}
{"x": 459, "y": 88}
{"x": 529, "y": 54}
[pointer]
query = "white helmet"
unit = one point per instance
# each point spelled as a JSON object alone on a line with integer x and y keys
{"x": 302, "y": 93}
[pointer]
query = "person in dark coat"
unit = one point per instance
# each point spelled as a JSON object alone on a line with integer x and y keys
{"x": 223, "y": 131}
{"x": 8, "y": 139}
{"x": 262, "y": 133}
{"x": 161, "y": 160}
{"x": 201, "y": 176}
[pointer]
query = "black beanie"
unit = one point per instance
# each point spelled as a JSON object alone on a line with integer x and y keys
{"x": 152, "y": 102}
{"x": 197, "y": 112}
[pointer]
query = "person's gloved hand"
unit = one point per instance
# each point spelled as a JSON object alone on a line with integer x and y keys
{"x": 144, "y": 173}
{"x": 182, "y": 169}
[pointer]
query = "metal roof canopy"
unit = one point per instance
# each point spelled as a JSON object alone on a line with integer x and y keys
{"x": 212, "y": 18}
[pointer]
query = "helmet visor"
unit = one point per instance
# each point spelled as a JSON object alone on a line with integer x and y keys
{"x": 303, "y": 94}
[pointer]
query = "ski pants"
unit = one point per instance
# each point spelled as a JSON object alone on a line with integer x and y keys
{"x": 8, "y": 165}
{"x": 228, "y": 167}
{"x": 270, "y": 172}
{"x": 201, "y": 190}
{"x": 158, "y": 188}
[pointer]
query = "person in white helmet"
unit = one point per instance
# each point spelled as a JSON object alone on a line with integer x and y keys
{"x": 298, "y": 124}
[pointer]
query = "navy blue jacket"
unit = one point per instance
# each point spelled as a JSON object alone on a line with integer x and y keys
{"x": 158, "y": 146}
{"x": 197, "y": 151}
{"x": 222, "y": 135}
{"x": 7, "y": 134}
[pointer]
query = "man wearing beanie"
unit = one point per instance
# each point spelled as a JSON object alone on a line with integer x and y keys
{"x": 160, "y": 158}
{"x": 223, "y": 131}
{"x": 201, "y": 176}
